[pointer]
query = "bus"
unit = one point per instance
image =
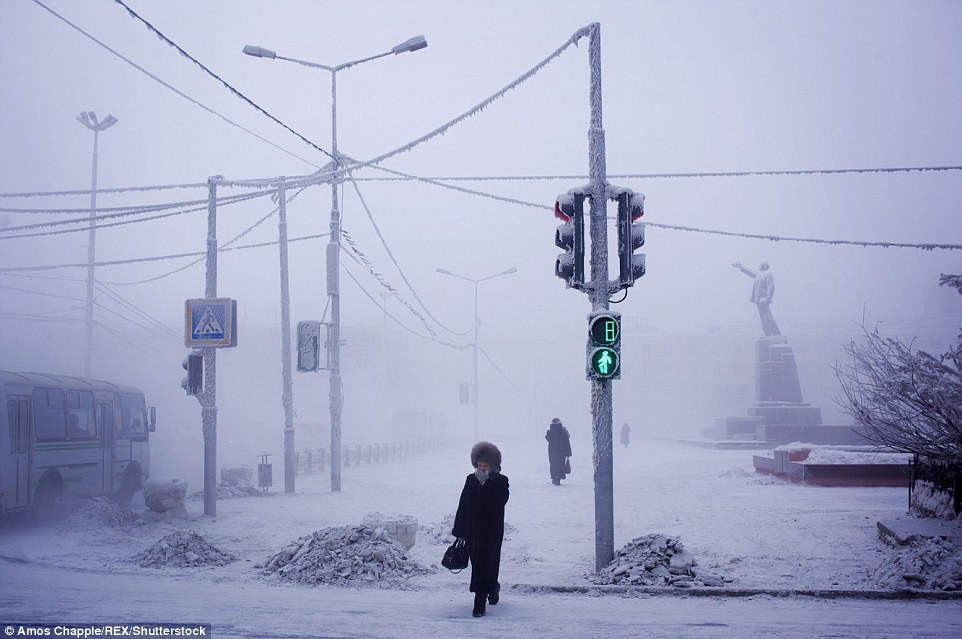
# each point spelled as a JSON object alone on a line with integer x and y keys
{"x": 64, "y": 437}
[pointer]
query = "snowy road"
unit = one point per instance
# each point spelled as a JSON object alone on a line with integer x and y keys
{"x": 761, "y": 533}
{"x": 247, "y": 610}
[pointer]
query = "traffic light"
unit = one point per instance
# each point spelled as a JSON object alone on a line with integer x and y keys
{"x": 194, "y": 365}
{"x": 570, "y": 236}
{"x": 604, "y": 345}
{"x": 631, "y": 236}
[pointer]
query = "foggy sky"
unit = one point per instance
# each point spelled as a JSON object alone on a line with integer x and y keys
{"x": 689, "y": 87}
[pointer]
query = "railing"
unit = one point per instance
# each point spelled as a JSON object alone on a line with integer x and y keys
{"x": 319, "y": 459}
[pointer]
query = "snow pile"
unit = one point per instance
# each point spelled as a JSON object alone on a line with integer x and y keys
{"x": 402, "y": 528}
{"x": 100, "y": 512}
{"x": 655, "y": 560}
{"x": 929, "y": 502}
{"x": 833, "y": 454}
{"x": 345, "y": 555}
{"x": 932, "y": 563}
{"x": 227, "y": 491}
{"x": 440, "y": 532}
{"x": 182, "y": 548}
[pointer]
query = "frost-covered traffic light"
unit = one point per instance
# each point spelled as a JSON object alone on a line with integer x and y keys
{"x": 570, "y": 265}
{"x": 194, "y": 365}
{"x": 631, "y": 236}
{"x": 604, "y": 345}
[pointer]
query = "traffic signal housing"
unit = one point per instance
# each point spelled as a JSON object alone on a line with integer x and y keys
{"x": 194, "y": 365}
{"x": 631, "y": 236}
{"x": 604, "y": 345}
{"x": 570, "y": 236}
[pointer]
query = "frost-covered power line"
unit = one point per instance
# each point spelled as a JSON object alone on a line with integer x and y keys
{"x": 642, "y": 176}
{"x": 230, "y": 88}
{"x": 187, "y": 97}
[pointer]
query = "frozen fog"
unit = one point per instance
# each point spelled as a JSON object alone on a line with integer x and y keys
{"x": 819, "y": 137}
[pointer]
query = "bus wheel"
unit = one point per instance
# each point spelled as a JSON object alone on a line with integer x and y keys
{"x": 46, "y": 502}
{"x": 125, "y": 494}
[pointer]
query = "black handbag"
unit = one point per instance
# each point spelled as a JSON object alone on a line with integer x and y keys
{"x": 567, "y": 467}
{"x": 456, "y": 556}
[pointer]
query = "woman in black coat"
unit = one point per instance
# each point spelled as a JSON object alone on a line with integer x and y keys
{"x": 559, "y": 450}
{"x": 480, "y": 520}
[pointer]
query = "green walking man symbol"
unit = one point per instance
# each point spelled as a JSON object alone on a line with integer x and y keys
{"x": 604, "y": 362}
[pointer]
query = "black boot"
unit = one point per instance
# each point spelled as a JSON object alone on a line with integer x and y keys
{"x": 495, "y": 596}
{"x": 478, "y": 604}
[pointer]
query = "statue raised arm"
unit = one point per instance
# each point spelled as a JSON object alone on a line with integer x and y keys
{"x": 762, "y": 293}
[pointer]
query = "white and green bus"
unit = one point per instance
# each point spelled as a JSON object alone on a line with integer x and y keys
{"x": 64, "y": 437}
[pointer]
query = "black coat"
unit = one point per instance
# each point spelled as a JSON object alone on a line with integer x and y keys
{"x": 559, "y": 449}
{"x": 480, "y": 520}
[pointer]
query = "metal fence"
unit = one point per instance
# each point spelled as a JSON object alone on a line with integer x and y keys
{"x": 319, "y": 459}
{"x": 945, "y": 478}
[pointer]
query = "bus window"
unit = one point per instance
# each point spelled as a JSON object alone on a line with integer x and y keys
{"x": 134, "y": 416}
{"x": 81, "y": 418}
{"x": 13, "y": 419}
{"x": 48, "y": 413}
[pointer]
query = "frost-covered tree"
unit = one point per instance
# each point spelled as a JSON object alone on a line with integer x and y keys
{"x": 906, "y": 399}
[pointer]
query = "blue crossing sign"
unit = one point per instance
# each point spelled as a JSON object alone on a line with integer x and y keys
{"x": 210, "y": 322}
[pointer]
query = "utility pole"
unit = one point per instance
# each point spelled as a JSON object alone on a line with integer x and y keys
{"x": 598, "y": 291}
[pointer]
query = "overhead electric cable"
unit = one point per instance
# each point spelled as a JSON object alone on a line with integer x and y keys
{"x": 230, "y": 88}
{"x": 143, "y": 208}
{"x": 192, "y": 100}
{"x": 394, "y": 261}
{"x": 573, "y": 40}
{"x": 108, "y": 216}
{"x": 643, "y": 176}
{"x": 122, "y": 189}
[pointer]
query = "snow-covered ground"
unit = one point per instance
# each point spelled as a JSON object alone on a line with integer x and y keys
{"x": 751, "y": 531}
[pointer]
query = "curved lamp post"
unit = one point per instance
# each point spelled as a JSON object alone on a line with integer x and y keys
{"x": 474, "y": 359}
{"x": 336, "y": 401}
{"x": 89, "y": 120}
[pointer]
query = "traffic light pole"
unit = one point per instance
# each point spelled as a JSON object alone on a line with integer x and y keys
{"x": 601, "y": 410}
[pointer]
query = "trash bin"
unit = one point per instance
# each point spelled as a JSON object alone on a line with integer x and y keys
{"x": 265, "y": 473}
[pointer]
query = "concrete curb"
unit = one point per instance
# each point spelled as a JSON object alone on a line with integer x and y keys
{"x": 656, "y": 591}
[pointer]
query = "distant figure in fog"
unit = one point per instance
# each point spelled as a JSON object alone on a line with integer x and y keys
{"x": 625, "y": 435}
{"x": 762, "y": 293}
{"x": 559, "y": 450}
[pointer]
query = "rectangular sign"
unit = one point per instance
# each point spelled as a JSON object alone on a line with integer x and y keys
{"x": 210, "y": 322}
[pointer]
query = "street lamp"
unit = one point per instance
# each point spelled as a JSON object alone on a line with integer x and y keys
{"x": 336, "y": 400}
{"x": 89, "y": 120}
{"x": 476, "y": 323}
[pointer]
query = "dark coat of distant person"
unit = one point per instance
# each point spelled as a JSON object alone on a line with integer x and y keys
{"x": 559, "y": 450}
{"x": 480, "y": 520}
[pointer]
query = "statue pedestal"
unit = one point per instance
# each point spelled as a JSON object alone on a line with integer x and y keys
{"x": 778, "y": 411}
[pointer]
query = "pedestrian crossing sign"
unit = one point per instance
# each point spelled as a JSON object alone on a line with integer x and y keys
{"x": 210, "y": 322}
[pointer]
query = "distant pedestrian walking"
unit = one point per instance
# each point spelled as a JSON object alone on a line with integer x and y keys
{"x": 625, "y": 435}
{"x": 559, "y": 450}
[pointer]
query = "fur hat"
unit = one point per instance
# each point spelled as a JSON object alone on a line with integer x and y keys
{"x": 488, "y": 453}
{"x": 555, "y": 421}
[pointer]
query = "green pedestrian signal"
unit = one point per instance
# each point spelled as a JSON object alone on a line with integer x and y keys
{"x": 604, "y": 345}
{"x": 603, "y": 363}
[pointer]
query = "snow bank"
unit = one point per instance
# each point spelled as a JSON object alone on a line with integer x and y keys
{"x": 828, "y": 454}
{"x": 929, "y": 502}
{"x": 931, "y": 563}
{"x": 182, "y": 548}
{"x": 99, "y": 511}
{"x": 346, "y": 555}
{"x": 655, "y": 560}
